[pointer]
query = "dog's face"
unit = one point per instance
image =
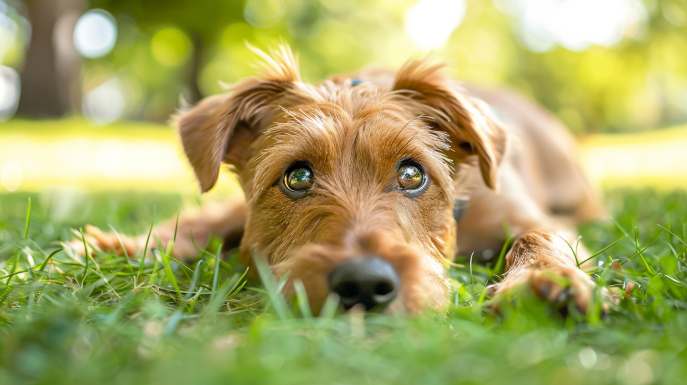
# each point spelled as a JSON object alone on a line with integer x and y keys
{"x": 349, "y": 188}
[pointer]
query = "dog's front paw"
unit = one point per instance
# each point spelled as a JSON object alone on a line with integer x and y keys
{"x": 559, "y": 285}
{"x": 99, "y": 240}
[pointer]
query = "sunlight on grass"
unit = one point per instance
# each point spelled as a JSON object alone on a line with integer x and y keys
{"x": 654, "y": 158}
{"x": 143, "y": 156}
{"x": 121, "y": 156}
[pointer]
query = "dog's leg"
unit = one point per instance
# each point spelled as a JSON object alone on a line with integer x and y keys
{"x": 225, "y": 220}
{"x": 545, "y": 263}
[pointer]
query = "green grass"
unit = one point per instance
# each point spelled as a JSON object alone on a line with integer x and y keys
{"x": 109, "y": 320}
{"x": 49, "y": 130}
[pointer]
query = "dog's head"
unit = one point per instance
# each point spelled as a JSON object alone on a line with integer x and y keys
{"x": 349, "y": 187}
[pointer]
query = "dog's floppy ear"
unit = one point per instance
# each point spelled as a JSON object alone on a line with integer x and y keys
{"x": 221, "y": 127}
{"x": 467, "y": 122}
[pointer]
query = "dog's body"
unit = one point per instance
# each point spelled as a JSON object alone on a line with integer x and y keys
{"x": 392, "y": 172}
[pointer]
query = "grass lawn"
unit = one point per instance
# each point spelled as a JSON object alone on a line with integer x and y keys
{"x": 110, "y": 320}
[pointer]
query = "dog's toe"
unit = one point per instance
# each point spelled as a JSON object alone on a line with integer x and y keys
{"x": 102, "y": 241}
{"x": 558, "y": 285}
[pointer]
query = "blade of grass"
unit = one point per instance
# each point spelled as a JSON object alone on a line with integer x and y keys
{"x": 223, "y": 264}
{"x": 100, "y": 273}
{"x": 471, "y": 276}
{"x": 673, "y": 234}
{"x": 641, "y": 251}
{"x": 571, "y": 249}
{"x": 145, "y": 248}
{"x": 48, "y": 258}
{"x": 602, "y": 250}
{"x": 121, "y": 244}
{"x": 12, "y": 273}
{"x": 237, "y": 288}
{"x": 85, "y": 247}
{"x": 174, "y": 240}
{"x": 272, "y": 287}
{"x": 184, "y": 268}
{"x": 28, "y": 271}
{"x": 228, "y": 288}
{"x": 194, "y": 280}
{"x": 331, "y": 305}
{"x": 238, "y": 285}
{"x": 28, "y": 220}
{"x": 619, "y": 227}
{"x": 178, "y": 312}
{"x": 302, "y": 297}
{"x": 153, "y": 274}
{"x": 502, "y": 255}
{"x": 192, "y": 302}
{"x": 215, "y": 269}
{"x": 168, "y": 268}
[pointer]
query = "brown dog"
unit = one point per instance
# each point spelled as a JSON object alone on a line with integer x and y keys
{"x": 366, "y": 185}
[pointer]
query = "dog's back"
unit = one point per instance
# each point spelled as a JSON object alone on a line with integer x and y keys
{"x": 548, "y": 152}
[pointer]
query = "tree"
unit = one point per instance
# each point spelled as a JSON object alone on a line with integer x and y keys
{"x": 201, "y": 20}
{"x": 51, "y": 63}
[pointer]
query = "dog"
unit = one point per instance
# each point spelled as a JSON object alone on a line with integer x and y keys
{"x": 368, "y": 184}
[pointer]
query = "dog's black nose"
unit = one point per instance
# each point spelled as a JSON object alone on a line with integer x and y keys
{"x": 371, "y": 282}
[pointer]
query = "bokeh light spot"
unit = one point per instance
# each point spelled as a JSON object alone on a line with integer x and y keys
{"x": 535, "y": 37}
{"x": 11, "y": 176}
{"x": 574, "y": 25}
{"x": 95, "y": 33}
{"x": 170, "y": 46}
{"x": 587, "y": 357}
{"x": 9, "y": 92}
{"x": 263, "y": 13}
{"x": 105, "y": 103}
{"x": 429, "y": 23}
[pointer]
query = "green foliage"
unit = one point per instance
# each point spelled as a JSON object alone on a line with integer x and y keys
{"x": 168, "y": 48}
{"x": 68, "y": 319}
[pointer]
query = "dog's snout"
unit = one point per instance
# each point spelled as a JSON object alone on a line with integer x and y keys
{"x": 370, "y": 281}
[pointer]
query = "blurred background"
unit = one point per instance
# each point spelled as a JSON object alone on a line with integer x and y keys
{"x": 87, "y": 86}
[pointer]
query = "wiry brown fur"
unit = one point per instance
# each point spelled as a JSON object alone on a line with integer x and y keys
{"x": 354, "y": 137}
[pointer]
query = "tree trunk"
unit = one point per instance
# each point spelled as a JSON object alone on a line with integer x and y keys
{"x": 47, "y": 88}
{"x": 194, "y": 72}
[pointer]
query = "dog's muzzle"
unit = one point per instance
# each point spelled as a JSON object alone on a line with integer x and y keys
{"x": 369, "y": 281}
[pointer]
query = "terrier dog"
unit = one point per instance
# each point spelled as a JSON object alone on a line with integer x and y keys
{"x": 367, "y": 184}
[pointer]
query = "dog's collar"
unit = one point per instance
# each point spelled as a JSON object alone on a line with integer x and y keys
{"x": 355, "y": 82}
{"x": 459, "y": 208}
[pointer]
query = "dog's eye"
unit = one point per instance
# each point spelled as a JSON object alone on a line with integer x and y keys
{"x": 410, "y": 177}
{"x": 299, "y": 178}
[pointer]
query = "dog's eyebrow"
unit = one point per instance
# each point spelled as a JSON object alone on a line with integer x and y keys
{"x": 407, "y": 143}
{"x": 406, "y": 125}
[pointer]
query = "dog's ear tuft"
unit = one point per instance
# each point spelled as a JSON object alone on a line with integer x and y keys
{"x": 220, "y": 128}
{"x": 468, "y": 122}
{"x": 280, "y": 65}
